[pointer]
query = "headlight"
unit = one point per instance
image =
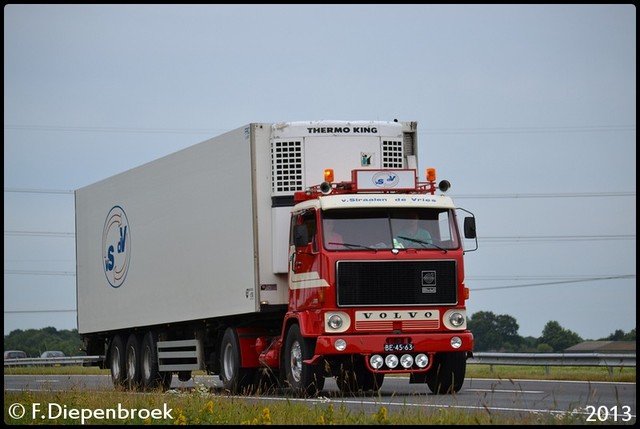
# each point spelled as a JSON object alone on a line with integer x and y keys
{"x": 456, "y": 319}
{"x": 376, "y": 361}
{"x": 336, "y": 321}
{"x": 340, "y": 344}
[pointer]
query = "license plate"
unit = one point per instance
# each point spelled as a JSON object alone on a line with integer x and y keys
{"x": 406, "y": 347}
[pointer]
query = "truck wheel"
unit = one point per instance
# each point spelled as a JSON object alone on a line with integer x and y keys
{"x": 132, "y": 362}
{"x": 267, "y": 380}
{"x": 151, "y": 377}
{"x": 303, "y": 379}
{"x": 355, "y": 377}
{"x": 447, "y": 373}
{"x": 116, "y": 361}
{"x": 234, "y": 378}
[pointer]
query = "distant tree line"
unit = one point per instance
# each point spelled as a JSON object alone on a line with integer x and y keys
{"x": 499, "y": 333}
{"x": 36, "y": 341}
{"x": 491, "y": 333}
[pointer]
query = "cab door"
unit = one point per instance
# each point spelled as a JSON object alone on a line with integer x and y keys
{"x": 304, "y": 262}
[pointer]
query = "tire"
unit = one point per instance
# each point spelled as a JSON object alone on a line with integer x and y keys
{"x": 447, "y": 374}
{"x": 150, "y": 375}
{"x": 116, "y": 361}
{"x": 303, "y": 379}
{"x": 234, "y": 378}
{"x": 371, "y": 382}
{"x": 267, "y": 381}
{"x": 355, "y": 377}
{"x": 133, "y": 359}
{"x": 167, "y": 378}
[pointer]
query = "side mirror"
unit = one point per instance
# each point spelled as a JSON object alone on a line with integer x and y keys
{"x": 469, "y": 227}
{"x": 300, "y": 235}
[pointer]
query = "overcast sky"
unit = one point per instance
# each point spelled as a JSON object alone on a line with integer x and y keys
{"x": 528, "y": 110}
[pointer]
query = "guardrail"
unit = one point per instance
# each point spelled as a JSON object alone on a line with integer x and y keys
{"x": 57, "y": 361}
{"x": 547, "y": 360}
{"x": 525, "y": 359}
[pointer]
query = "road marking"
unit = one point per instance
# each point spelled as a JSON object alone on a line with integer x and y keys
{"x": 503, "y": 391}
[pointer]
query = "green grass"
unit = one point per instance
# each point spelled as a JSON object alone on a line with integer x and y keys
{"x": 577, "y": 373}
{"x": 56, "y": 370}
{"x": 201, "y": 406}
{"x": 198, "y": 407}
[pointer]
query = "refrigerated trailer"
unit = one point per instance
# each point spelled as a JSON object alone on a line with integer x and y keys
{"x": 218, "y": 258}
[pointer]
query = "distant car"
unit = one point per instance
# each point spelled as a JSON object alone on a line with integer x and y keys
{"x": 52, "y": 354}
{"x": 15, "y": 354}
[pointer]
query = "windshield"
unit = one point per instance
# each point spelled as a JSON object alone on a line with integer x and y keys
{"x": 405, "y": 228}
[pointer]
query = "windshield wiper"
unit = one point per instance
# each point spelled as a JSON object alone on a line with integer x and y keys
{"x": 359, "y": 246}
{"x": 415, "y": 240}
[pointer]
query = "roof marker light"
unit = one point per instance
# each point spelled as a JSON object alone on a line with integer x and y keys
{"x": 328, "y": 175}
{"x": 431, "y": 174}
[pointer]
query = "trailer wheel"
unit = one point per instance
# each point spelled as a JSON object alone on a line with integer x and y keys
{"x": 167, "y": 378}
{"x": 447, "y": 373}
{"x": 151, "y": 376}
{"x": 133, "y": 362}
{"x": 303, "y": 379}
{"x": 116, "y": 361}
{"x": 234, "y": 378}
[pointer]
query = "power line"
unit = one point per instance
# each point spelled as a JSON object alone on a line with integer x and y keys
{"x": 573, "y": 279}
{"x": 41, "y": 273}
{"x": 550, "y": 195}
{"x": 62, "y": 128}
{"x": 587, "y": 279}
{"x": 514, "y": 196}
{"x": 626, "y": 276}
{"x": 432, "y": 131}
{"x": 561, "y": 238}
{"x": 530, "y": 130}
{"x": 38, "y": 311}
{"x": 40, "y": 234}
{"x": 39, "y": 191}
{"x": 537, "y": 277}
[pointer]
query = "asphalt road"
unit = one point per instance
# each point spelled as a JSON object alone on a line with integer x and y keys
{"x": 601, "y": 402}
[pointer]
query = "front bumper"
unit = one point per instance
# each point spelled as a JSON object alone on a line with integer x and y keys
{"x": 367, "y": 345}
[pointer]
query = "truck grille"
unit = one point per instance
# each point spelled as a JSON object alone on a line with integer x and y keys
{"x": 386, "y": 283}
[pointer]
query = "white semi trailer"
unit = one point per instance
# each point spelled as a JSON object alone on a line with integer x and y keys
{"x": 213, "y": 258}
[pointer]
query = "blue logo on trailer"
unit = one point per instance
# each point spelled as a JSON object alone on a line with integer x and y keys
{"x": 385, "y": 180}
{"x": 116, "y": 247}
